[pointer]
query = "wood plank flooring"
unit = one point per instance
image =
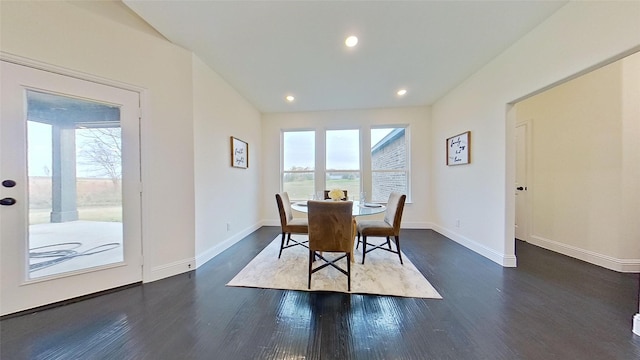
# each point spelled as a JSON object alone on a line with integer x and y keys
{"x": 549, "y": 307}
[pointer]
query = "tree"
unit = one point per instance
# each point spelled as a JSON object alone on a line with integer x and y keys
{"x": 101, "y": 152}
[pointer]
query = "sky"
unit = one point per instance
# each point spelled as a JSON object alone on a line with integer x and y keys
{"x": 39, "y": 155}
{"x": 342, "y": 148}
{"x": 39, "y": 148}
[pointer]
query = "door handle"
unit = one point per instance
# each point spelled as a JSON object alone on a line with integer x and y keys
{"x": 7, "y": 201}
{"x": 519, "y": 188}
{"x": 8, "y": 183}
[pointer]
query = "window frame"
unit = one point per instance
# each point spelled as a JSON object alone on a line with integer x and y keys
{"x": 326, "y": 172}
{"x": 366, "y": 167}
{"x": 283, "y": 171}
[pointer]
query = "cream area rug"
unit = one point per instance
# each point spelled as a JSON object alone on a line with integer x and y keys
{"x": 382, "y": 273}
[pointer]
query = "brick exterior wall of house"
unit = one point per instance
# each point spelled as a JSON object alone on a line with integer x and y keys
{"x": 389, "y": 154}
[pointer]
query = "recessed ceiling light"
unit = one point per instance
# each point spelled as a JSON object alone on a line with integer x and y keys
{"x": 290, "y": 98}
{"x": 351, "y": 41}
{"x": 401, "y": 92}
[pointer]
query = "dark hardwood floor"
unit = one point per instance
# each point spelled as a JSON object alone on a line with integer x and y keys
{"x": 549, "y": 307}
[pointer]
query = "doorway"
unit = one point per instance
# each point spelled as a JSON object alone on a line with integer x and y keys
{"x": 582, "y": 173}
{"x": 71, "y": 213}
{"x": 521, "y": 188}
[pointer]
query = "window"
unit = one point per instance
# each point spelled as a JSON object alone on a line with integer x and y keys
{"x": 344, "y": 164}
{"x": 342, "y": 169}
{"x": 298, "y": 170}
{"x": 389, "y": 165}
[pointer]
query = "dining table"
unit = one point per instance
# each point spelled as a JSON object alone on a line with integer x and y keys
{"x": 357, "y": 210}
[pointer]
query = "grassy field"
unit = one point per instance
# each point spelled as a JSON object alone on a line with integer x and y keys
{"x": 97, "y": 199}
{"x": 96, "y": 213}
{"x": 302, "y": 190}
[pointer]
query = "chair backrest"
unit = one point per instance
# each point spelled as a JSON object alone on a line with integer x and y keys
{"x": 395, "y": 206}
{"x": 284, "y": 208}
{"x": 330, "y": 226}
{"x": 326, "y": 194}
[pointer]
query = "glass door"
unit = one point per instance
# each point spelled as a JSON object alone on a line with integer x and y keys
{"x": 70, "y": 164}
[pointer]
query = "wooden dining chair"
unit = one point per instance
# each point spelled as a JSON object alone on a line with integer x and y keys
{"x": 289, "y": 224}
{"x": 326, "y": 195}
{"x": 330, "y": 230}
{"x": 388, "y": 227}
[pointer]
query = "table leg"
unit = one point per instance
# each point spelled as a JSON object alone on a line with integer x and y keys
{"x": 353, "y": 241}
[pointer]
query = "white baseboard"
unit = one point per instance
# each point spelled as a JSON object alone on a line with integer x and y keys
{"x": 502, "y": 259}
{"x": 218, "y": 248}
{"x": 184, "y": 265}
{"x": 271, "y": 222}
{"x": 405, "y": 224}
{"x": 636, "y": 324}
{"x": 495, "y": 256}
{"x": 611, "y": 263}
{"x": 416, "y": 225}
{"x": 171, "y": 269}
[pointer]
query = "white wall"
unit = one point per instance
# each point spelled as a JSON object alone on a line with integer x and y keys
{"x": 630, "y": 150}
{"x": 416, "y": 214}
{"x": 224, "y": 195}
{"x": 581, "y": 35}
{"x": 85, "y": 39}
{"x": 584, "y": 183}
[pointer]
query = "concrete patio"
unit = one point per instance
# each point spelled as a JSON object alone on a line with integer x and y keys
{"x": 73, "y": 246}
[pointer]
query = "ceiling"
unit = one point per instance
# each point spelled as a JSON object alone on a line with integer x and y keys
{"x": 269, "y": 49}
{"x": 62, "y": 110}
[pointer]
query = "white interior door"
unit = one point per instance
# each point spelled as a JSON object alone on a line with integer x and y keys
{"x": 521, "y": 189}
{"x": 70, "y": 172}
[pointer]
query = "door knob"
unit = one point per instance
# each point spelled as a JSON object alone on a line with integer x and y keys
{"x": 8, "y": 183}
{"x": 7, "y": 201}
{"x": 519, "y": 188}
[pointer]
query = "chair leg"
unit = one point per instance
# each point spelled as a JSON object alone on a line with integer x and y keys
{"x": 398, "y": 248}
{"x": 364, "y": 247}
{"x": 288, "y": 238}
{"x": 281, "y": 245}
{"x": 311, "y": 256}
{"x": 388, "y": 243}
{"x": 349, "y": 272}
{"x": 358, "y": 243}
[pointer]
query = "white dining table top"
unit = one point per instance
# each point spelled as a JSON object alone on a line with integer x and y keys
{"x": 358, "y": 210}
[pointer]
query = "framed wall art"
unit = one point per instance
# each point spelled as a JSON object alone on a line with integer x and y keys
{"x": 239, "y": 153}
{"x": 459, "y": 149}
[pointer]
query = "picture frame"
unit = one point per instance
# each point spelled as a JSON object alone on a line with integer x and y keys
{"x": 239, "y": 153}
{"x": 459, "y": 149}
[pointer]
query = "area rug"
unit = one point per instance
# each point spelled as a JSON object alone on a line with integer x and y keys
{"x": 382, "y": 273}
